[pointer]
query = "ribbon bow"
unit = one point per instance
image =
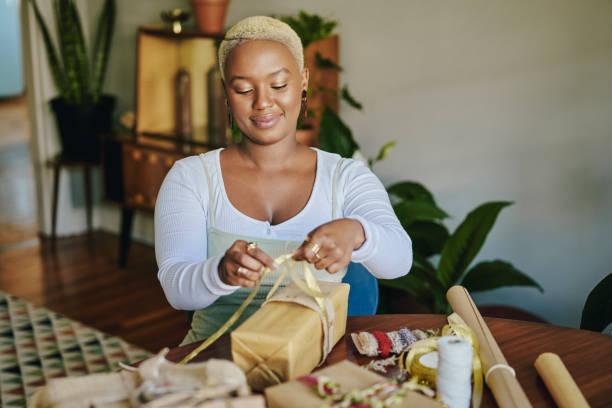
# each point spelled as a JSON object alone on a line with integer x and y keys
{"x": 308, "y": 285}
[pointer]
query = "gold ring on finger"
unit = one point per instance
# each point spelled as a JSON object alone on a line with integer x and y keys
{"x": 251, "y": 245}
{"x": 241, "y": 271}
{"x": 315, "y": 248}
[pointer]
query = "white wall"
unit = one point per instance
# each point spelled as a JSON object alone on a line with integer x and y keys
{"x": 489, "y": 100}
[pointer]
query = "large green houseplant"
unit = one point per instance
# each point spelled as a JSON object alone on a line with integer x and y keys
{"x": 81, "y": 109}
{"x": 420, "y": 216}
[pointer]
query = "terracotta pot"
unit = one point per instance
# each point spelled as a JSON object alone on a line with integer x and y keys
{"x": 210, "y": 15}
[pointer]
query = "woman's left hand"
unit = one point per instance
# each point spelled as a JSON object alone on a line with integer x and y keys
{"x": 330, "y": 245}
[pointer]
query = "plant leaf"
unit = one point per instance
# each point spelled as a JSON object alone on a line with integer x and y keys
{"x": 414, "y": 285}
{"x": 385, "y": 150}
{"x": 326, "y": 63}
{"x": 463, "y": 245}
{"x": 597, "y": 311}
{"x": 348, "y": 98}
{"x": 71, "y": 48}
{"x": 409, "y": 211}
{"x": 428, "y": 238}
{"x": 490, "y": 275}
{"x": 411, "y": 190}
{"x": 335, "y": 136}
{"x": 57, "y": 70}
{"x": 106, "y": 27}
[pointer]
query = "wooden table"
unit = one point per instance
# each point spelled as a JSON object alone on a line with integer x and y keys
{"x": 587, "y": 355}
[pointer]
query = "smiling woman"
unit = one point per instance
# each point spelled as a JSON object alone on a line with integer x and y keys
{"x": 224, "y": 216}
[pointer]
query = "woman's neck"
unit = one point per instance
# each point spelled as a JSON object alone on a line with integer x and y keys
{"x": 274, "y": 156}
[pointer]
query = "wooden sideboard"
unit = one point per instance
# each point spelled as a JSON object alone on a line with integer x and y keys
{"x": 134, "y": 167}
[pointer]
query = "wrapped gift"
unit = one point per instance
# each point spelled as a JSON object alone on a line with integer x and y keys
{"x": 288, "y": 337}
{"x": 347, "y": 377}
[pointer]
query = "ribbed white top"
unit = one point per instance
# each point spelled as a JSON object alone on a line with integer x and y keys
{"x": 191, "y": 281}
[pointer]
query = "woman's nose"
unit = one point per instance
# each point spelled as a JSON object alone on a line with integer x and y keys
{"x": 263, "y": 99}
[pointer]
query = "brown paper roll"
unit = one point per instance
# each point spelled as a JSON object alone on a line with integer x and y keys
{"x": 505, "y": 387}
{"x": 559, "y": 381}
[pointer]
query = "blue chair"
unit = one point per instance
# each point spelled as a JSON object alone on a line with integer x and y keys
{"x": 363, "y": 297}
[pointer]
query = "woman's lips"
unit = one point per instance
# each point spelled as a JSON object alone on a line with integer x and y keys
{"x": 265, "y": 121}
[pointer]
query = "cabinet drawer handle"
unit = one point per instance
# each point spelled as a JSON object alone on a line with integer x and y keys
{"x": 136, "y": 154}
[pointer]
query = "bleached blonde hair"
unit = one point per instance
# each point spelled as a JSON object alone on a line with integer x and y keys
{"x": 260, "y": 28}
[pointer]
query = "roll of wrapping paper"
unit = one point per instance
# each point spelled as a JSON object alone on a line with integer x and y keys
{"x": 504, "y": 386}
{"x": 559, "y": 381}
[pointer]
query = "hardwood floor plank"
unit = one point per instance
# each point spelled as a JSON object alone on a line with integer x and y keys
{"x": 80, "y": 279}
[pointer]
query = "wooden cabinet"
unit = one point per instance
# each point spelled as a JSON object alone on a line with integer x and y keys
{"x": 134, "y": 168}
{"x": 144, "y": 170}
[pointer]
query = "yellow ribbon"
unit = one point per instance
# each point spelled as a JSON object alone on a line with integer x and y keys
{"x": 409, "y": 363}
{"x": 308, "y": 286}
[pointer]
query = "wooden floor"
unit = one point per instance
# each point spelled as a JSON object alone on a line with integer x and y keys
{"x": 81, "y": 280}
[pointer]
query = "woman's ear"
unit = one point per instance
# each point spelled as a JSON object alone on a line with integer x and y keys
{"x": 305, "y": 77}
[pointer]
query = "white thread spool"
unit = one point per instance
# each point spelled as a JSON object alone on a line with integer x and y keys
{"x": 453, "y": 378}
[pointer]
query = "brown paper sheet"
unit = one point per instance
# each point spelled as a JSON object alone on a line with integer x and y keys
{"x": 505, "y": 387}
{"x": 559, "y": 381}
{"x": 283, "y": 341}
{"x": 350, "y": 376}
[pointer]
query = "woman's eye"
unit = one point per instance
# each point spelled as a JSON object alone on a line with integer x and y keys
{"x": 277, "y": 87}
{"x": 246, "y": 91}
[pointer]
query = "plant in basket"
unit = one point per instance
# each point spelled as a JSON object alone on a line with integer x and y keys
{"x": 81, "y": 109}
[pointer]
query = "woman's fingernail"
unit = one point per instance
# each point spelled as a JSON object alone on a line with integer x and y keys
{"x": 274, "y": 265}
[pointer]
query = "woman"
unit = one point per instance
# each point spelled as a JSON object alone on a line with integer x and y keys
{"x": 224, "y": 216}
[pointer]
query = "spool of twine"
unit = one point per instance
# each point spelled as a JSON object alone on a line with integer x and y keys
{"x": 453, "y": 379}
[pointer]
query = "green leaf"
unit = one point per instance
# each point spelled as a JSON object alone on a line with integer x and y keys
{"x": 410, "y": 190}
{"x": 597, "y": 311}
{"x": 310, "y": 27}
{"x": 414, "y": 285}
{"x": 385, "y": 150}
{"x": 463, "y": 245}
{"x": 70, "y": 37}
{"x": 428, "y": 238}
{"x": 326, "y": 63}
{"x": 106, "y": 27}
{"x": 335, "y": 136}
{"x": 57, "y": 70}
{"x": 409, "y": 211}
{"x": 348, "y": 98}
{"x": 490, "y": 275}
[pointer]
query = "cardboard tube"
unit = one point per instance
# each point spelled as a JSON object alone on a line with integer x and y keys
{"x": 559, "y": 381}
{"x": 505, "y": 387}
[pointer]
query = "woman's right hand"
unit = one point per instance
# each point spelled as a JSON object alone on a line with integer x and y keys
{"x": 242, "y": 264}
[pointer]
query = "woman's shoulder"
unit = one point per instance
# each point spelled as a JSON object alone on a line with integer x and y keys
{"x": 332, "y": 160}
{"x": 195, "y": 162}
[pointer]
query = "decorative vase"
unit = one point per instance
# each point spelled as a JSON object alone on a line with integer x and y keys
{"x": 217, "y": 109}
{"x": 210, "y": 15}
{"x": 80, "y": 127}
{"x": 183, "y": 124}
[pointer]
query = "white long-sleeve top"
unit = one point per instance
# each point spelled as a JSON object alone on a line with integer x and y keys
{"x": 190, "y": 279}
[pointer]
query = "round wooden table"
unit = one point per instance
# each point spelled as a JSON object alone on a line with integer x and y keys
{"x": 587, "y": 355}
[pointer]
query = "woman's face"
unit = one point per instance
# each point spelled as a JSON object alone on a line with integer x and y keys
{"x": 264, "y": 89}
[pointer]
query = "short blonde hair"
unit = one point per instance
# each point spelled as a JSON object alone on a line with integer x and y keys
{"x": 260, "y": 28}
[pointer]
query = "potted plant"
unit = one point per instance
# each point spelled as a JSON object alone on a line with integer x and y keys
{"x": 81, "y": 110}
{"x": 210, "y": 15}
{"x": 420, "y": 216}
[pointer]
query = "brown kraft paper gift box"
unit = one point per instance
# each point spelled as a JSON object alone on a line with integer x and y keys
{"x": 350, "y": 376}
{"x": 284, "y": 340}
